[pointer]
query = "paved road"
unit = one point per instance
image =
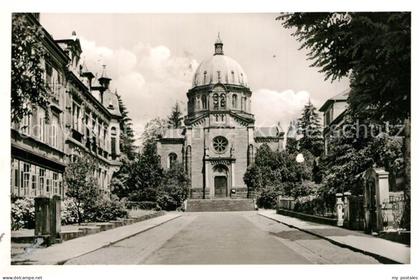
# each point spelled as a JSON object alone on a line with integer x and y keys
{"x": 223, "y": 238}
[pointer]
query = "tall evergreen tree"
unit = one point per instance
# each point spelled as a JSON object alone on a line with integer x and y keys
{"x": 310, "y": 128}
{"x": 127, "y": 134}
{"x": 175, "y": 118}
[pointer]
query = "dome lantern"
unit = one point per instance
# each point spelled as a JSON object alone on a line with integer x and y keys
{"x": 218, "y": 46}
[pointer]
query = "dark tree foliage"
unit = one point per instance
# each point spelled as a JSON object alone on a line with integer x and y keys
{"x": 127, "y": 134}
{"x": 374, "y": 51}
{"x": 27, "y": 81}
{"x": 291, "y": 145}
{"x": 173, "y": 188}
{"x": 175, "y": 118}
{"x": 310, "y": 127}
{"x": 145, "y": 174}
{"x": 277, "y": 173}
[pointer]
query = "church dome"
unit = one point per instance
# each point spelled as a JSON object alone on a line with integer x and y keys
{"x": 220, "y": 69}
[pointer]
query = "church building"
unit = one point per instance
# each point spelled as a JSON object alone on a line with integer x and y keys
{"x": 219, "y": 140}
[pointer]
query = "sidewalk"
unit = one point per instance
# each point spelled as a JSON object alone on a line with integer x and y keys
{"x": 62, "y": 252}
{"x": 385, "y": 250}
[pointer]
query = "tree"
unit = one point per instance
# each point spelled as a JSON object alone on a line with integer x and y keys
{"x": 127, "y": 134}
{"x": 374, "y": 50}
{"x": 173, "y": 188}
{"x": 82, "y": 185}
{"x": 175, "y": 118}
{"x": 153, "y": 130}
{"x": 276, "y": 173}
{"x": 311, "y": 131}
{"x": 28, "y": 83}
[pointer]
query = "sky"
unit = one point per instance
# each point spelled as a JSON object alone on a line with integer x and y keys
{"x": 151, "y": 59}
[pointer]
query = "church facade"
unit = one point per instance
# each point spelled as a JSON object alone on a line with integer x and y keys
{"x": 219, "y": 140}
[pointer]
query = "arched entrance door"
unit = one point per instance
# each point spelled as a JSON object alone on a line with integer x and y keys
{"x": 220, "y": 181}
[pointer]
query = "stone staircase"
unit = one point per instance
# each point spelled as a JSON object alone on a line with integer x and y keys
{"x": 219, "y": 205}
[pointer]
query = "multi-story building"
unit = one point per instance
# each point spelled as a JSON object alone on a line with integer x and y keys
{"x": 334, "y": 110}
{"x": 83, "y": 116}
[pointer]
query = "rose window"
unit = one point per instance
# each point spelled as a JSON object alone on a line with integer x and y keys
{"x": 220, "y": 144}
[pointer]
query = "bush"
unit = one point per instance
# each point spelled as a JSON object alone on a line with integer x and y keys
{"x": 23, "y": 213}
{"x": 314, "y": 205}
{"x": 69, "y": 212}
{"x": 144, "y": 205}
{"x": 173, "y": 190}
{"x": 105, "y": 209}
{"x": 267, "y": 198}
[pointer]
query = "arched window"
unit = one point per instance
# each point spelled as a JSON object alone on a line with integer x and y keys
{"x": 198, "y": 105}
{"x": 245, "y": 105}
{"x": 215, "y": 101}
{"x": 204, "y": 101}
{"x": 172, "y": 158}
{"x": 233, "y": 77}
{"x": 234, "y": 101}
{"x": 222, "y": 100}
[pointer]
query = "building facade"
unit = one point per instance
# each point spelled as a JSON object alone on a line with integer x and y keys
{"x": 334, "y": 111}
{"x": 219, "y": 140}
{"x": 82, "y": 117}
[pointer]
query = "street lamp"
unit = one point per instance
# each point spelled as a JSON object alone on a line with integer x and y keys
{"x": 300, "y": 158}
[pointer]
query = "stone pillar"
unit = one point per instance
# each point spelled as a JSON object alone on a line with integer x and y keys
{"x": 382, "y": 195}
{"x": 347, "y": 213}
{"x": 339, "y": 208}
{"x": 48, "y": 219}
{"x": 233, "y": 175}
{"x": 56, "y": 210}
{"x": 42, "y": 217}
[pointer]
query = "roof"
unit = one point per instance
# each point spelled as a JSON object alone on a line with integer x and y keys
{"x": 341, "y": 97}
{"x": 220, "y": 68}
{"x": 268, "y": 132}
{"x": 110, "y": 101}
{"x": 173, "y": 133}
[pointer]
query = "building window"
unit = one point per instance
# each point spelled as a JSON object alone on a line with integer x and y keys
{"x": 219, "y": 77}
{"x": 113, "y": 143}
{"x": 26, "y": 178}
{"x": 204, "y": 101}
{"x": 204, "y": 77}
{"x": 48, "y": 75}
{"x": 41, "y": 180}
{"x": 26, "y": 124}
{"x": 215, "y": 101}
{"x": 233, "y": 77}
{"x": 220, "y": 144}
{"x": 76, "y": 117}
{"x": 234, "y": 101}
{"x": 223, "y": 101}
{"x": 55, "y": 182}
{"x": 172, "y": 158}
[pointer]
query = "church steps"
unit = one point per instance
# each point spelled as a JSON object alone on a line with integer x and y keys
{"x": 219, "y": 205}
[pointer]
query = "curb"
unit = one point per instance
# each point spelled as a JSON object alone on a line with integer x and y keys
{"x": 380, "y": 258}
{"x": 121, "y": 239}
{"x": 29, "y": 261}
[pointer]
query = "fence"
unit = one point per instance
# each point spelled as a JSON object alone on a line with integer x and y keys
{"x": 392, "y": 210}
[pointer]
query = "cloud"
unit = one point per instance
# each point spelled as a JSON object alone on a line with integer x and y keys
{"x": 270, "y": 106}
{"x": 149, "y": 78}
